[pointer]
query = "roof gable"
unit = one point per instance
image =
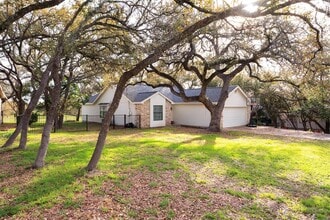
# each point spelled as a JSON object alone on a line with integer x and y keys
{"x": 138, "y": 93}
{"x": 242, "y": 92}
{"x": 92, "y": 98}
{"x": 140, "y": 97}
{"x": 213, "y": 93}
{"x": 141, "y": 92}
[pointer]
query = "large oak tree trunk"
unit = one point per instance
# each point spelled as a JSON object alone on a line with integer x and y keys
{"x": 216, "y": 123}
{"x": 14, "y": 135}
{"x": 23, "y": 125}
{"x": 59, "y": 120}
{"x": 53, "y": 69}
{"x": 106, "y": 123}
{"x": 55, "y": 96}
{"x": 24, "y": 131}
{"x": 21, "y": 107}
{"x": 42, "y": 152}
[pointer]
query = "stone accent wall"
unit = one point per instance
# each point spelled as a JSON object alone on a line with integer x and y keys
{"x": 168, "y": 113}
{"x": 144, "y": 111}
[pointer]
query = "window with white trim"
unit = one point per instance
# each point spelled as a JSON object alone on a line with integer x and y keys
{"x": 103, "y": 110}
{"x": 158, "y": 112}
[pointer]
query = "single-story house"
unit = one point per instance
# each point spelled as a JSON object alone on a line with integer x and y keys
{"x": 2, "y": 99}
{"x": 146, "y": 107}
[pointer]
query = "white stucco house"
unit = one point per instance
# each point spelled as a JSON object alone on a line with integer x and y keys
{"x": 146, "y": 107}
{"x": 2, "y": 98}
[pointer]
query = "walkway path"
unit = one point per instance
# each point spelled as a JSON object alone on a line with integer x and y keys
{"x": 282, "y": 132}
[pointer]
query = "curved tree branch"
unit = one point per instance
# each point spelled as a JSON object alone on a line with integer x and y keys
{"x": 23, "y": 11}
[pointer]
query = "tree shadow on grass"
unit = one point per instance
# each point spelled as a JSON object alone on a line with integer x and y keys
{"x": 42, "y": 191}
{"x": 257, "y": 166}
{"x": 8, "y": 150}
{"x": 64, "y": 166}
{"x": 251, "y": 162}
{"x": 261, "y": 165}
{"x": 264, "y": 166}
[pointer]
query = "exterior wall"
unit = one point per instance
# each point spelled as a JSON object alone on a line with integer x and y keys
{"x": 125, "y": 107}
{"x": 235, "y": 116}
{"x": 106, "y": 96}
{"x": 93, "y": 112}
{"x": 144, "y": 110}
{"x": 198, "y": 115}
{"x": 128, "y": 108}
{"x": 236, "y": 99}
{"x": 235, "y": 113}
{"x": 157, "y": 100}
{"x": 192, "y": 114}
{"x": 168, "y": 113}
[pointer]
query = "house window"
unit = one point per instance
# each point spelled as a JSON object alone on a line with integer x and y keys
{"x": 158, "y": 112}
{"x": 103, "y": 110}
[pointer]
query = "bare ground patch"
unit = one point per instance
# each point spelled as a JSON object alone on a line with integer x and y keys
{"x": 143, "y": 195}
{"x": 192, "y": 189}
{"x": 283, "y": 132}
{"x": 170, "y": 194}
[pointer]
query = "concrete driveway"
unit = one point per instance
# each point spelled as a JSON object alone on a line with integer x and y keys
{"x": 282, "y": 132}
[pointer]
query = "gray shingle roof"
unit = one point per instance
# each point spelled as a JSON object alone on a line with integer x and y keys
{"x": 92, "y": 98}
{"x": 212, "y": 93}
{"x": 142, "y": 96}
{"x": 141, "y": 92}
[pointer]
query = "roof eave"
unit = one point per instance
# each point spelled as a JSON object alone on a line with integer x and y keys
{"x": 241, "y": 90}
{"x": 143, "y": 101}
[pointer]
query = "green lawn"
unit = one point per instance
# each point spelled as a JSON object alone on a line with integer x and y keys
{"x": 168, "y": 173}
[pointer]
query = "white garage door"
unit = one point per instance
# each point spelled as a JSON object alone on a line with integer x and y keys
{"x": 233, "y": 117}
